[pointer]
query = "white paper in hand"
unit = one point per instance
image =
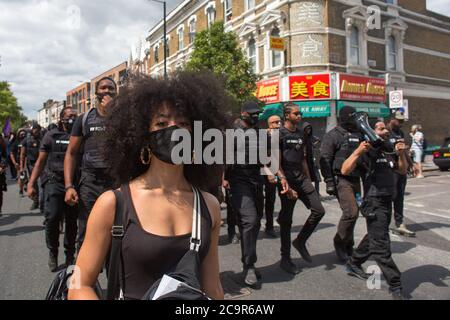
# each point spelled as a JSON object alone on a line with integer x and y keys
{"x": 167, "y": 285}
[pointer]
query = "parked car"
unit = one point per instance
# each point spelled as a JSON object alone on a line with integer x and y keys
{"x": 441, "y": 157}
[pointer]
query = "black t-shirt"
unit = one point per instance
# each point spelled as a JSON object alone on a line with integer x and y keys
{"x": 15, "y": 149}
{"x": 380, "y": 179}
{"x": 55, "y": 143}
{"x": 95, "y": 127}
{"x": 31, "y": 145}
{"x": 395, "y": 136}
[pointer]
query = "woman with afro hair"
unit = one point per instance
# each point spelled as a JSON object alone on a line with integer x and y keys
{"x": 158, "y": 195}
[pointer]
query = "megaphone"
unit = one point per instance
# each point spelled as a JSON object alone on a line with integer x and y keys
{"x": 362, "y": 123}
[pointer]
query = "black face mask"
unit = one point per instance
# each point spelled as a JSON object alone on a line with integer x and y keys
{"x": 68, "y": 123}
{"x": 251, "y": 119}
{"x": 100, "y": 96}
{"x": 161, "y": 144}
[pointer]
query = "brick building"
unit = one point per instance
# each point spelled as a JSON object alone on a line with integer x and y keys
{"x": 79, "y": 98}
{"x": 332, "y": 47}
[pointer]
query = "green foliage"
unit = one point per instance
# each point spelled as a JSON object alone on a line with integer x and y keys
{"x": 219, "y": 51}
{"x": 9, "y": 107}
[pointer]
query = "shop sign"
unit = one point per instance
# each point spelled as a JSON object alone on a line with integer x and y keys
{"x": 268, "y": 90}
{"x": 309, "y": 87}
{"x": 360, "y": 88}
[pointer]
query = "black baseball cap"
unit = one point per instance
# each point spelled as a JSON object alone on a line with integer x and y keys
{"x": 250, "y": 107}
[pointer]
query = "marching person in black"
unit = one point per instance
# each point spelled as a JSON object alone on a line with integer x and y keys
{"x": 86, "y": 139}
{"x": 397, "y": 135}
{"x": 338, "y": 145}
{"x": 51, "y": 157}
{"x": 379, "y": 187}
{"x": 270, "y": 185}
{"x": 247, "y": 199}
{"x": 295, "y": 159}
{"x": 3, "y": 166}
{"x": 28, "y": 157}
{"x": 15, "y": 156}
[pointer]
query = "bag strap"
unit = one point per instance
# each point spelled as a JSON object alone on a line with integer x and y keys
{"x": 196, "y": 239}
{"x": 115, "y": 279}
{"x": 83, "y": 122}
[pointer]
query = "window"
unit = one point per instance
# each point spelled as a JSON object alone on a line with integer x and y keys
{"x": 276, "y": 55}
{"x": 180, "y": 38}
{"x": 167, "y": 47}
{"x": 156, "y": 55}
{"x": 249, "y": 4}
{"x": 228, "y": 9}
{"x": 391, "y": 54}
{"x": 192, "y": 27}
{"x": 354, "y": 46}
{"x": 210, "y": 15}
{"x": 252, "y": 54}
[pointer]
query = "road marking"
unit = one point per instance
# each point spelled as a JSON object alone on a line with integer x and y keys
{"x": 418, "y": 205}
{"x": 442, "y": 210}
{"x": 427, "y": 196}
{"x": 428, "y": 213}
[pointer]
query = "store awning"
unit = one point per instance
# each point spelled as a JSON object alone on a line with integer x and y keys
{"x": 374, "y": 110}
{"x": 309, "y": 109}
{"x": 314, "y": 109}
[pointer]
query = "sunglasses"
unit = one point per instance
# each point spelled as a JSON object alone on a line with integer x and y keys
{"x": 297, "y": 114}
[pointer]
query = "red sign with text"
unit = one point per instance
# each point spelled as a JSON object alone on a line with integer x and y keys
{"x": 359, "y": 88}
{"x": 309, "y": 87}
{"x": 268, "y": 90}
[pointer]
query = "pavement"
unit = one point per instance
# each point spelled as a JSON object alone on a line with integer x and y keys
{"x": 423, "y": 260}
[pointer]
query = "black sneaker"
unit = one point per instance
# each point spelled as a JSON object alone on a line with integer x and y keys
{"x": 271, "y": 233}
{"x": 233, "y": 239}
{"x": 356, "y": 271}
{"x": 53, "y": 262}
{"x": 21, "y": 193}
{"x": 341, "y": 253}
{"x": 397, "y": 294}
{"x": 301, "y": 248}
{"x": 34, "y": 206}
{"x": 250, "y": 277}
{"x": 288, "y": 266}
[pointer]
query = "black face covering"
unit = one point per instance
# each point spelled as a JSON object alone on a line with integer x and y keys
{"x": 161, "y": 144}
{"x": 68, "y": 123}
{"x": 251, "y": 119}
{"x": 346, "y": 119}
{"x": 100, "y": 96}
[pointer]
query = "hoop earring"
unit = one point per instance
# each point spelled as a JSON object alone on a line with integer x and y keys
{"x": 149, "y": 155}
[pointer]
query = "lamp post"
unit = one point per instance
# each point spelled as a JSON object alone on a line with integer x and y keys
{"x": 165, "y": 35}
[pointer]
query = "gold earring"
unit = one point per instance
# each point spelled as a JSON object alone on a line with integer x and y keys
{"x": 149, "y": 155}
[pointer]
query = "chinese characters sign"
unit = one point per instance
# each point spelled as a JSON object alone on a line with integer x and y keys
{"x": 359, "y": 88}
{"x": 309, "y": 87}
{"x": 268, "y": 90}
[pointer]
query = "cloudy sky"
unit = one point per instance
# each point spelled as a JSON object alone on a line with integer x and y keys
{"x": 48, "y": 47}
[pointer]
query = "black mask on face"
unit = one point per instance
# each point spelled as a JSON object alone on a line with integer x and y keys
{"x": 161, "y": 144}
{"x": 346, "y": 120}
{"x": 68, "y": 123}
{"x": 100, "y": 96}
{"x": 251, "y": 119}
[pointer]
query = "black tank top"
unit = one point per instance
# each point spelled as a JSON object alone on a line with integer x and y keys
{"x": 147, "y": 257}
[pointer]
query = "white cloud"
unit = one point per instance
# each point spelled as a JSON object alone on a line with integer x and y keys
{"x": 439, "y": 6}
{"x": 48, "y": 46}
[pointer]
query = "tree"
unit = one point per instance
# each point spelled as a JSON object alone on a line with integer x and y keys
{"x": 219, "y": 51}
{"x": 9, "y": 107}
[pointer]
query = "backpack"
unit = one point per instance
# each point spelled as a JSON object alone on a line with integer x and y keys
{"x": 83, "y": 122}
{"x": 59, "y": 288}
{"x": 181, "y": 284}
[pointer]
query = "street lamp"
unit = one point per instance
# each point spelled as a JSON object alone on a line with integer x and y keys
{"x": 165, "y": 35}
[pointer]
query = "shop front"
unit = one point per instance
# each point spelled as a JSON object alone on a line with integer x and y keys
{"x": 321, "y": 97}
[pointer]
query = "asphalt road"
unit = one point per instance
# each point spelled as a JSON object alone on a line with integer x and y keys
{"x": 424, "y": 260}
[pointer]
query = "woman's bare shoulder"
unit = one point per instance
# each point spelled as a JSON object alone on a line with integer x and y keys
{"x": 213, "y": 206}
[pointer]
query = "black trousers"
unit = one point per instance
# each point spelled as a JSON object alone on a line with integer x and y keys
{"x": 92, "y": 185}
{"x": 377, "y": 242}
{"x": 56, "y": 210}
{"x": 347, "y": 189}
{"x": 231, "y": 216}
{"x": 270, "y": 192}
{"x": 3, "y": 187}
{"x": 400, "y": 183}
{"x": 37, "y": 184}
{"x": 247, "y": 202}
{"x": 311, "y": 199}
